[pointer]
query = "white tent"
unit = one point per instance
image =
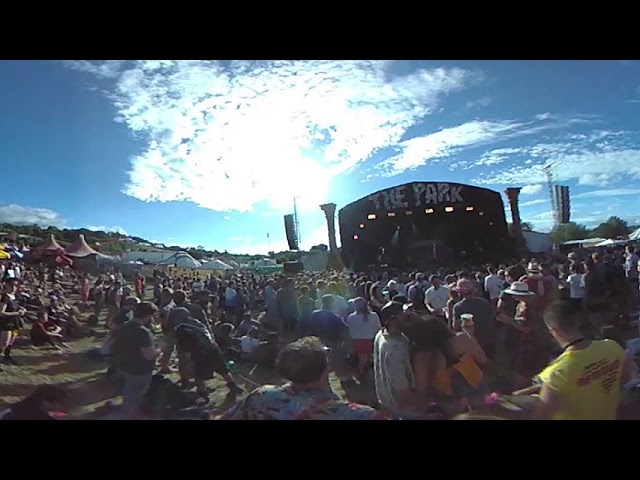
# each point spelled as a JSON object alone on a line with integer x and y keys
{"x": 586, "y": 243}
{"x": 635, "y": 235}
{"x": 215, "y": 264}
{"x": 611, "y": 243}
{"x": 265, "y": 262}
{"x": 182, "y": 260}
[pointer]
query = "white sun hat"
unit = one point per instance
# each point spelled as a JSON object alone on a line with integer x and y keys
{"x": 519, "y": 289}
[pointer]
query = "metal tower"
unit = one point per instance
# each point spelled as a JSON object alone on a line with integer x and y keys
{"x": 551, "y": 186}
{"x": 296, "y": 223}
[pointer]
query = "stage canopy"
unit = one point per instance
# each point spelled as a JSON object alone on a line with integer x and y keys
{"x": 81, "y": 249}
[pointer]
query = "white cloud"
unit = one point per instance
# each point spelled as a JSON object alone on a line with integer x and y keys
{"x": 614, "y": 192}
{"x": 599, "y": 158}
{"x": 418, "y": 151}
{"x": 531, "y": 203}
{"x": 106, "y": 69}
{"x": 229, "y": 135}
{"x": 480, "y": 103}
{"x": 113, "y": 229}
{"x": 531, "y": 189}
{"x": 20, "y": 215}
{"x": 544, "y": 221}
{"x": 227, "y": 218}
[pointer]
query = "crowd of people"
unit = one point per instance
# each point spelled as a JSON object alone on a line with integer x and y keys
{"x": 550, "y": 331}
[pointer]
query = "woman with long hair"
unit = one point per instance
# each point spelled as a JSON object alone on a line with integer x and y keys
{"x": 363, "y": 325}
{"x": 10, "y": 319}
{"x": 446, "y": 365}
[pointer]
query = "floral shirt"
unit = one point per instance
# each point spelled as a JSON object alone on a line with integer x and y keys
{"x": 271, "y": 402}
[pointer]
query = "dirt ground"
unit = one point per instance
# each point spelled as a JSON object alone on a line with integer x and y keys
{"x": 91, "y": 391}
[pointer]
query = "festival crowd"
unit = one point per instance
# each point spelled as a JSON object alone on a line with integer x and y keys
{"x": 549, "y": 333}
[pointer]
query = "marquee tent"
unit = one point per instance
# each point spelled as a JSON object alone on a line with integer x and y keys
{"x": 635, "y": 235}
{"x": 49, "y": 245}
{"x": 611, "y": 243}
{"x": 80, "y": 248}
{"x": 182, "y": 260}
{"x": 215, "y": 264}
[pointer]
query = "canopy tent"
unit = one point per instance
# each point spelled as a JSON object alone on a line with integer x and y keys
{"x": 182, "y": 260}
{"x": 264, "y": 262}
{"x": 80, "y": 248}
{"x": 586, "y": 242}
{"x": 50, "y": 245}
{"x": 215, "y": 264}
{"x": 232, "y": 263}
{"x": 635, "y": 235}
{"x": 4, "y": 255}
{"x": 611, "y": 243}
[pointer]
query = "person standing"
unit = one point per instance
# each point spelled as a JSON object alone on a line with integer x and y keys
{"x": 493, "y": 285}
{"x": 435, "y": 298}
{"x": 306, "y": 306}
{"x": 134, "y": 355}
{"x": 393, "y": 373}
{"x": 363, "y": 325}
{"x": 585, "y": 381}
{"x": 287, "y": 306}
{"x": 631, "y": 260}
{"x": 484, "y": 317}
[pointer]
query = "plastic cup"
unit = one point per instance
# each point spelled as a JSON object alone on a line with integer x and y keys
{"x": 467, "y": 320}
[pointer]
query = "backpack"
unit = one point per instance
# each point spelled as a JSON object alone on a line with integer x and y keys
{"x": 164, "y": 398}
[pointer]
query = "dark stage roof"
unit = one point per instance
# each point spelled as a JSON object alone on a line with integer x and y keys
{"x": 422, "y": 219}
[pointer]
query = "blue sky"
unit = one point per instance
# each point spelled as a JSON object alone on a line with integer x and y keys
{"x": 212, "y": 153}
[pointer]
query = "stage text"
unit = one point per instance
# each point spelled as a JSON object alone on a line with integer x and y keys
{"x": 422, "y": 194}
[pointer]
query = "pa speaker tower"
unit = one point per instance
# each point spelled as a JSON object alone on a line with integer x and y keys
{"x": 290, "y": 230}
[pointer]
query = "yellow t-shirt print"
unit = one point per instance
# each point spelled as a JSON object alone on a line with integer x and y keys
{"x": 589, "y": 381}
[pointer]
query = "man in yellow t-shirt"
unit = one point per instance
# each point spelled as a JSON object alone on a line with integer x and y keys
{"x": 585, "y": 381}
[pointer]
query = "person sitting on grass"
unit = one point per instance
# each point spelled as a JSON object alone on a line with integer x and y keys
{"x": 46, "y": 333}
{"x": 223, "y": 333}
{"x": 267, "y": 352}
{"x": 246, "y": 325}
{"x": 249, "y": 344}
{"x": 45, "y": 403}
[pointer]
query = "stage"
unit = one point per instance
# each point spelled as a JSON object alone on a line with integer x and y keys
{"x": 423, "y": 224}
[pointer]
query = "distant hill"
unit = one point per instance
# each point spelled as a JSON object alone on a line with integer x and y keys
{"x": 112, "y": 243}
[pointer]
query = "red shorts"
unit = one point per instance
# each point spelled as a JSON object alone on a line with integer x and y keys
{"x": 363, "y": 347}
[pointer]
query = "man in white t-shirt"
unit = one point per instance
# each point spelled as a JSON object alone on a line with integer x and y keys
{"x": 249, "y": 344}
{"x": 230, "y": 295}
{"x": 198, "y": 286}
{"x": 576, "y": 285}
{"x": 493, "y": 285}
{"x": 436, "y": 297}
